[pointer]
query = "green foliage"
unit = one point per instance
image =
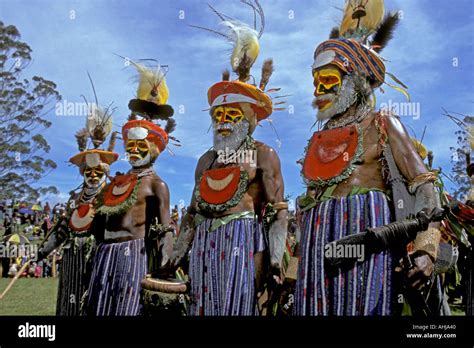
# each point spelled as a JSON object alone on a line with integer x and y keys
{"x": 23, "y": 107}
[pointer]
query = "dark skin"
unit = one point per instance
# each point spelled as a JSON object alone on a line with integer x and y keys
{"x": 55, "y": 237}
{"x": 152, "y": 201}
{"x": 368, "y": 173}
{"x": 265, "y": 186}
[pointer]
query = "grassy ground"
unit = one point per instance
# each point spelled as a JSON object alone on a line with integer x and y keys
{"x": 29, "y": 296}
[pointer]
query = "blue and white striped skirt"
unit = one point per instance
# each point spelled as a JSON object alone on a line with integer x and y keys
{"x": 363, "y": 290}
{"x": 222, "y": 269}
{"x": 114, "y": 289}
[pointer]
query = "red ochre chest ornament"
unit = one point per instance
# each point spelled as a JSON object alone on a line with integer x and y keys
{"x": 331, "y": 155}
{"x": 222, "y": 188}
{"x": 81, "y": 217}
{"x": 120, "y": 189}
{"x": 217, "y": 186}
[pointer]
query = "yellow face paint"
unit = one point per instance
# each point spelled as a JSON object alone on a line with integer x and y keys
{"x": 326, "y": 81}
{"x": 227, "y": 114}
{"x": 137, "y": 149}
{"x": 93, "y": 175}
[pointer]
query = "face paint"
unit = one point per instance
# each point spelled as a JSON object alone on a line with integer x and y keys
{"x": 138, "y": 152}
{"x": 94, "y": 176}
{"x": 224, "y": 117}
{"x": 346, "y": 97}
{"x": 327, "y": 83}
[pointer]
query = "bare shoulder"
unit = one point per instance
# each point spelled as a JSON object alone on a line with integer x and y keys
{"x": 265, "y": 151}
{"x": 205, "y": 161}
{"x": 159, "y": 185}
{"x": 266, "y": 155}
{"x": 394, "y": 126}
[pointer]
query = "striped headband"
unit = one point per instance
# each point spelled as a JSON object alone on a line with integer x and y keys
{"x": 350, "y": 55}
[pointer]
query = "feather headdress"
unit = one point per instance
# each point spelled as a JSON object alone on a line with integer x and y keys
{"x": 355, "y": 45}
{"x": 150, "y": 104}
{"x": 244, "y": 39}
{"x": 98, "y": 123}
{"x": 97, "y": 129}
{"x": 152, "y": 92}
{"x": 361, "y": 18}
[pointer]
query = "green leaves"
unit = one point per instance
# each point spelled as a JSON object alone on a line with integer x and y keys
{"x": 24, "y": 105}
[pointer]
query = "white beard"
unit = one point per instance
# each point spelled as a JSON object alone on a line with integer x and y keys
{"x": 91, "y": 185}
{"x": 342, "y": 101}
{"x": 233, "y": 141}
{"x": 142, "y": 162}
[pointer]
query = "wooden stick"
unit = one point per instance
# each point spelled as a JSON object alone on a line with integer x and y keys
{"x": 53, "y": 267}
{"x": 18, "y": 274}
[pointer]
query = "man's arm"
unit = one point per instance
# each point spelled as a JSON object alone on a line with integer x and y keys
{"x": 421, "y": 185}
{"x": 56, "y": 236}
{"x": 165, "y": 242}
{"x": 273, "y": 186}
{"x": 186, "y": 229}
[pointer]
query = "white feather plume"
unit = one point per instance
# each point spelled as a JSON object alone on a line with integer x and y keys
{"x": 245, "y": 42}
{"x": 99, "y": 124}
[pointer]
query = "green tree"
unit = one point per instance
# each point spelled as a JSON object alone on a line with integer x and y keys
{"x": 23, "y": 108}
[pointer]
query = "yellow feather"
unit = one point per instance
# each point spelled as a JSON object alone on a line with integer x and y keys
{"x": 420, "y": 148}
{"x": 245, "y": 41}
{"x": 374, "y": 15}
{"x": 151, "y": 80}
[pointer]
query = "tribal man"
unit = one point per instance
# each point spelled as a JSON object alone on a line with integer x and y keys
{"x": 134, "y": 214}
{"x": 349, "y": 169}
{"x": 237, "y": 222}
{"x": 73, "y": 231}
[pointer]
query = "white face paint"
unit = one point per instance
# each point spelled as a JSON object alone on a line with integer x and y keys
{"x": 239, "y": 132}
{"x": 94, "y": 177}
{"x": 342, "y": 101}
{"x": 136, "y": 163}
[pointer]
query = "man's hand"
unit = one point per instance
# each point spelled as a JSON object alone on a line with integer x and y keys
{"x": 276, "y": 274}
{"x": 419, "y": 273}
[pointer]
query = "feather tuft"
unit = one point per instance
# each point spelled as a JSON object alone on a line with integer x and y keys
{"x": 246, "y": 48}
{"x": 99, "y": 125}
{"x": 385, "y": 32}
{"x": 112, "y": 141}
{"x": 334, "y": 33}
{"x": 81, "y": 138}
{"x": 151, "y": 83}
{"x": 267, "y": 71}
{"x": 170, "y": 125}
{"x": 225, "y": 75}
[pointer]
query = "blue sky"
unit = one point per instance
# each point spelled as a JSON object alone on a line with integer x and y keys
{"x": 432, "y": 52}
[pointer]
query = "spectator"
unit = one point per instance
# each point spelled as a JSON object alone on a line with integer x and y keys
{"x": 7, "y": 224}
{"x": 39, "y": 270}
{"x": 13, "y": 270}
